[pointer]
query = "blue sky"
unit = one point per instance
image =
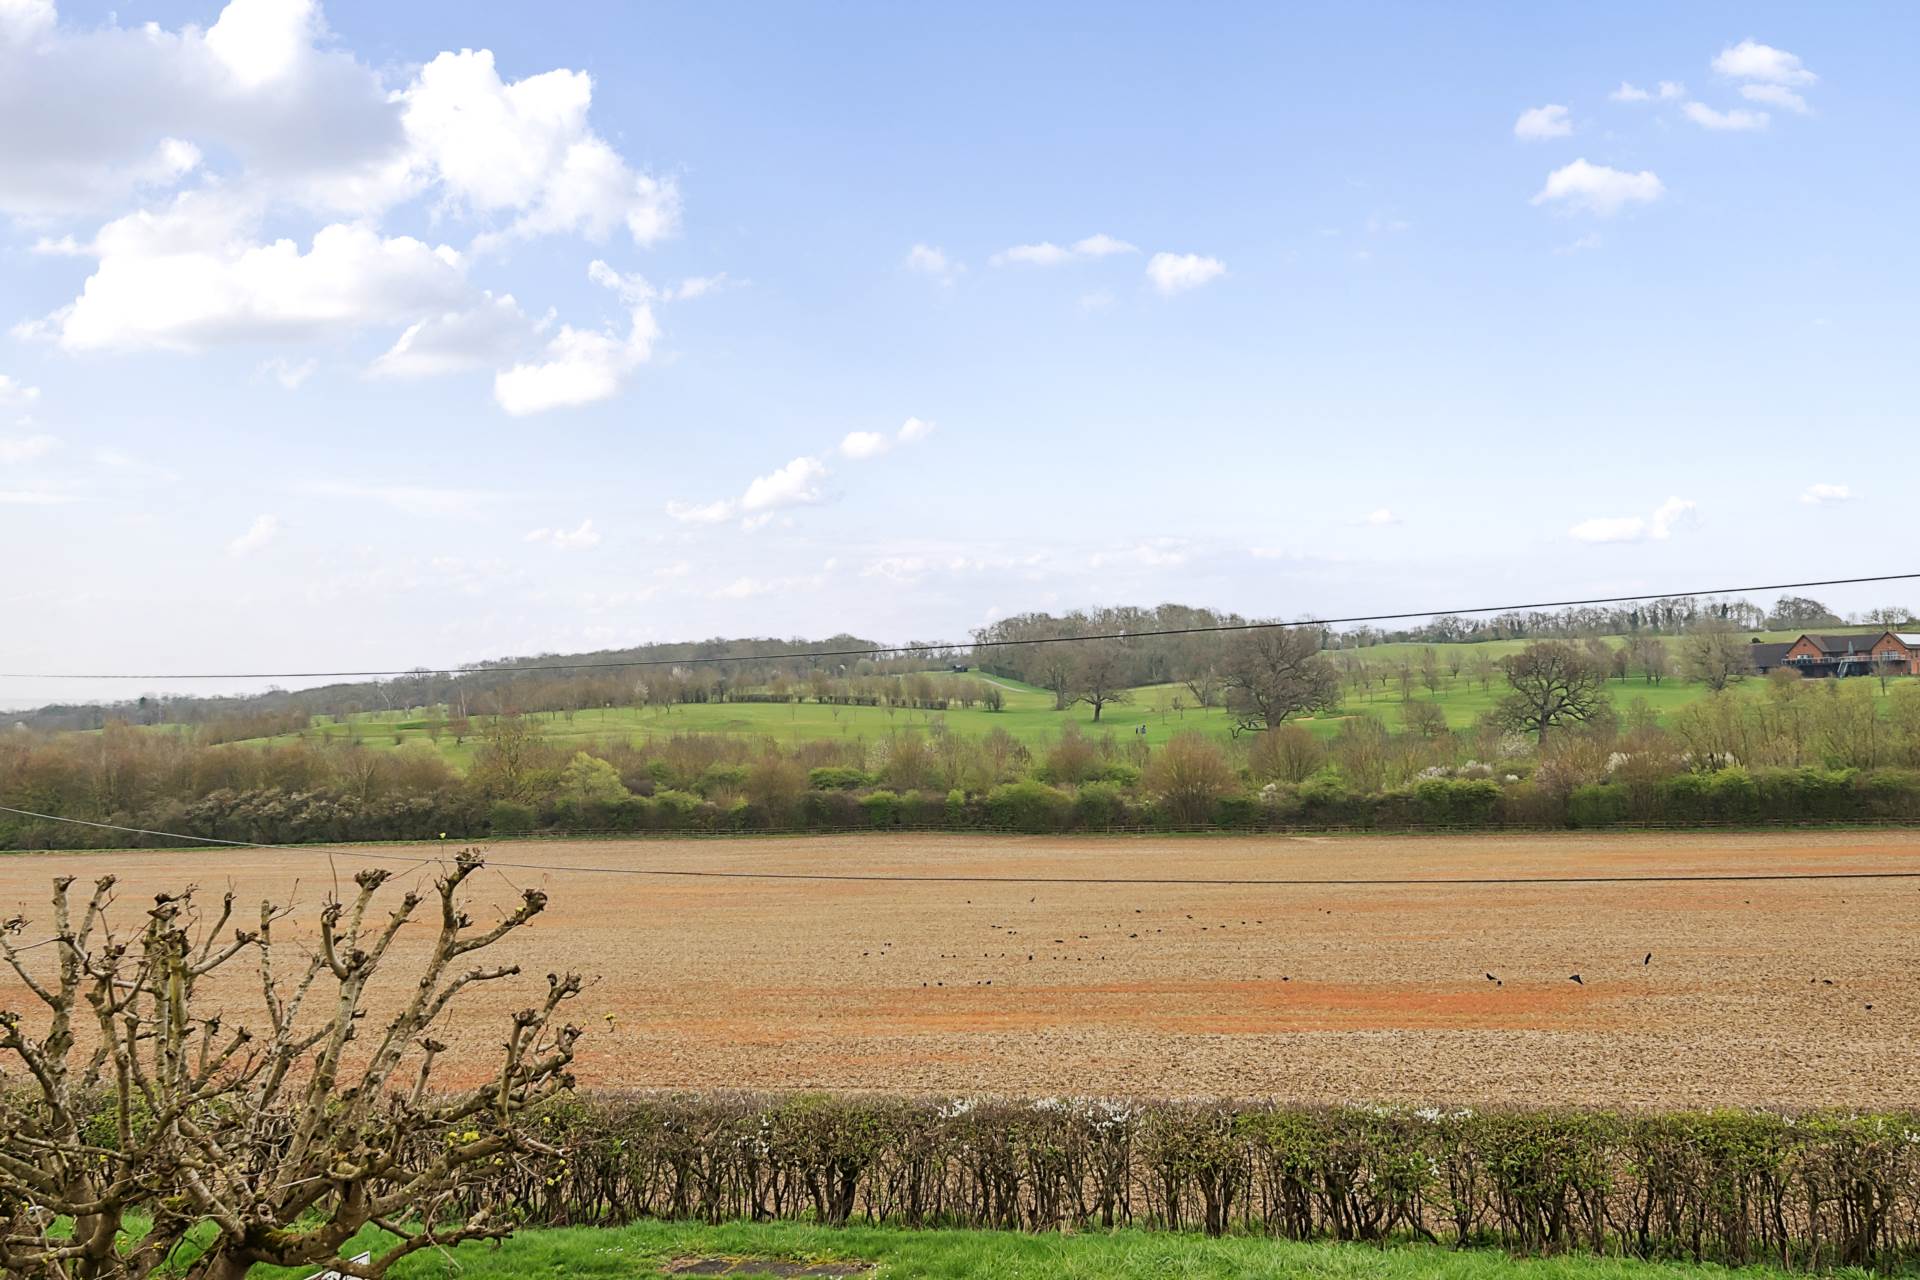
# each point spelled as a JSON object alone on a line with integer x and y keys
{"x": 1374, "y": 307}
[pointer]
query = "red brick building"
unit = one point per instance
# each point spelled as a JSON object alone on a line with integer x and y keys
{"x": 1860, "y": 654}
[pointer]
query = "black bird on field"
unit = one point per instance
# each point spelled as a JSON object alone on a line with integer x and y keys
{"x": 1491, "y": 978}
{"x": 1648, "y": 960}
{"x": 1576, "y": 978}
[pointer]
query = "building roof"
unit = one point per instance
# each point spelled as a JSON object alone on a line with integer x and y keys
{"x": 1909, "y": 638}
{"x": 1857, "y": 642}
{"x": 1762, "y": 654}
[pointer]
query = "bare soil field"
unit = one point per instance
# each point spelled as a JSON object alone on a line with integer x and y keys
{"x": 1758, "y": 992}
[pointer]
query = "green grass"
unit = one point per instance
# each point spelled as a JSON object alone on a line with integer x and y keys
{"x": 641, "y": 1250}
{"x": 1154, "y": 712}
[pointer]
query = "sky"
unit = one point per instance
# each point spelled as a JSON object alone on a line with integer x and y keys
{"x": 370, "y": 335}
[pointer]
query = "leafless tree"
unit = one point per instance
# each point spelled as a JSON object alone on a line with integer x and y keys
{"x": 1100, "y": 676}
{"x": 1430, "y": 670}
{"x": 1204, "y": 684}
{"x": 1714, "y": 654}
{"x": 1277, "y": 673}
{"x": 273, "y": 1140}
{"x": 1553, "y": 685}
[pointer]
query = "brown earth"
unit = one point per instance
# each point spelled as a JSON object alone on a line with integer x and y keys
{"x": 1331, "y": 992}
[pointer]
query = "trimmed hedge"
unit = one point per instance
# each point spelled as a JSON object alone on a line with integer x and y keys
{"x": 845, "y": 799}
{"x": 1808, "y": 1191}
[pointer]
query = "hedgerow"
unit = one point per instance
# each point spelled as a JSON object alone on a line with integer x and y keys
{"x": 1812, "y": 1190}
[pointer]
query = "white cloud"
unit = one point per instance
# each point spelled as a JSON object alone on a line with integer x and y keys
{"x": 1173, "y": 273}
{"x": 188, "y": 277}
{"x": 1044, "y": 254}
{"x": 872, "y": 444}
{"x": 290, "y": 374}
{"x": 13, "y": 393}
{"x": 525, "y": 149}
{"x": 90, "y": 115}
{"x": 703, "y": 512}
{"x": 1667, "y": 91}
{"x": 1537, "y": 124}
{"x": 1777, "y": 95}
{"x": 1599, "y": 189}
{"x": 1380, "y": 517}
{"x": 1738, "y": 120}
{"x": 865, "y": 444}
{"x": 567, "y": 539}
{"x": 1825, "y": 494}
{"x": 484, "y": 334}
{"x": 582, "y": 366}
{"x": 1048, "y": 254}
{"x": 927, "y": 260}
{"x": 1098, "y": 300}
{"x": 18, "y": 449}
{"x": 1656, "y": 527}
{"x": 1591, "y": 240}
{"x": 262, "y": 531}
{"x": 1751, "y": 60}
{"x": 796, "y": 484}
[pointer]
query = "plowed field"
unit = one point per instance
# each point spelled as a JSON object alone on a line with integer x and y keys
{"x": 1757, "y": 991}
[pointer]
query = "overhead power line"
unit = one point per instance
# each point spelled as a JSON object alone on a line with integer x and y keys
{"x": 931, "y": 646}
{"x": 859, "y": 878}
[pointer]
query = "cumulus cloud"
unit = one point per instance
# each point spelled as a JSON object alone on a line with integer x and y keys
{"x": 92, "y": 115}
{"x": 188, "y": 277}
{"x": 482, "y": 335}
{"x": 1155, "y": 553}
{"x": 524, "y": 150}
{"x": 798, "y": 483}
{"x": 861, "y": 445}
{"x": 1380, "y": 517}
{"x": 1668, "y": 90}
{"x": 1598, "y": 189}
{"x": 864, "y": 444}
{"x": 1173, "y": 273}
{"x": 1048, "y": 254}
{"x": 583, "y": 366}
{"x": 567, "y": 539}
{"x": 1777, "y": 95}
{"x": 1826, "y": 494}
{"x": 1537, "y": 124}
{"x": 933, "y": 262}
{"x": 262, "y": 531}
{"x": 1738, "y": 120}
{"x": 1656, "y": 527}
{"x": 1751, "y": 60}
{"x": 226, "y": 139}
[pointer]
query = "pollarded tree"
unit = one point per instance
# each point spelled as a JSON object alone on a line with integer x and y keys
{"x": 146, "y": 1113}
{"x": 1553, "y": 685}
{"x": 1276, "y": 673}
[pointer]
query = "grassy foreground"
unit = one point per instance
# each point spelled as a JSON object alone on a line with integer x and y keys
{"x": 645, "y": 1248}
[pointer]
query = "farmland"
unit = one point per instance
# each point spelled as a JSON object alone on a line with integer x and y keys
{"x": 1756, "y": 992}
{"x": 1153, "y": 712}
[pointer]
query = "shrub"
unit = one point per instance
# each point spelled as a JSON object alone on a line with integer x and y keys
{"x": 882, "y": 808}
{"x": 1027, "y": 806}
{"x": 837, "y": 777}
{"x": 1098, "y": 805}
{"x": 1190, "y": 773}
